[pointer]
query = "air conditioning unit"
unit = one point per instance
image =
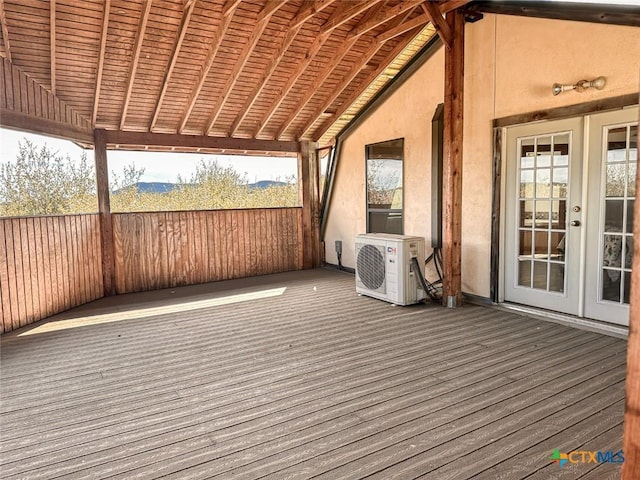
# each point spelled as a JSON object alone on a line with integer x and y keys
{"x": 384, "y": 267}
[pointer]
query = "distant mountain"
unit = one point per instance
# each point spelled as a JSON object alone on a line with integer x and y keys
{"x": 150, "y": 187}
{"x": 166, "y": 187}
{"x": 266, "y": 184}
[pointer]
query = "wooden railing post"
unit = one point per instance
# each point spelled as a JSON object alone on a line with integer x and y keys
{"x": 104, "y": 210}
{"x": 309, "y": 196}
{"x": 631, "y": 447}
{"x": 452, "y": 165}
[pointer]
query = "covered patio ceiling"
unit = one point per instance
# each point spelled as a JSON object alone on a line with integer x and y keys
{"x": 262, "y": 69}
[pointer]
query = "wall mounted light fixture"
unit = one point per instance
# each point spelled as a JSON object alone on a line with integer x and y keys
{"x": 581, "y": 86}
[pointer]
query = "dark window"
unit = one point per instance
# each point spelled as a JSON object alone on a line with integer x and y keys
{"x": 384, "y": 187}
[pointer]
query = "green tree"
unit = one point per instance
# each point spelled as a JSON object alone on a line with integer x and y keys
{"x": 124, "y": 191}
{"x": 44, "y": 182}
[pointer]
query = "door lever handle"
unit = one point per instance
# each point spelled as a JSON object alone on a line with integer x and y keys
{"x": 575, "y": 223}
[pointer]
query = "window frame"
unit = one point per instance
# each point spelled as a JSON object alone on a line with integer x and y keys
{"x": 370, "y": 210}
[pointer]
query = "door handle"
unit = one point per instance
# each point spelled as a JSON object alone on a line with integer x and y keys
{"x": 575, "y": 223}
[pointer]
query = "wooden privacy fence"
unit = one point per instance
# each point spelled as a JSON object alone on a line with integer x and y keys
{"x": 167, "y": 249}
{"x": 51, "y": 264}
{"x": 47, "y": 265}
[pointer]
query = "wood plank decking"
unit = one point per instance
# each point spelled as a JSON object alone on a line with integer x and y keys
{"x": 295, "y": 376}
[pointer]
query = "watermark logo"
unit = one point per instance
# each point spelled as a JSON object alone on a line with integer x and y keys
{"x": 560, "y": 458}
{"x": 586, "y": 456}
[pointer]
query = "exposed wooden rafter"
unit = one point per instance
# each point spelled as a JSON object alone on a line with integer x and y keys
{"x": 308, "y": 10}
{"x": 103, "y": 45}
{"x": 197, "y": 40}
{"x": 338, "y": 56}
{"x": 273, "y": 65}
{"x": 344, "y": 13}
{"x": 602, "y": 12}
{"x": 52, "y": 43}
{"x": 5, "y": 31}
{"x": 215, "y": 46}
{"x": 243, "y": 58}
{"x": 384, "y": 16}
{"x": 136, "y": 57}
{"x": 439, "y": 23}
{"x": 450, "y": 5}
{"x": 271, "y": 7}
{"x": 230, "y": 7}
{"x": 346, "y": 80}
{"x": 184, "y": 24}
{"x": 390, "y": 33}
{"x": 354, "y": 96}
{"x": 305, "y": 13}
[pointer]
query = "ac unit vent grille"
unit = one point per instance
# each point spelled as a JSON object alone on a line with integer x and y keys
{"x": 370, "y": 267}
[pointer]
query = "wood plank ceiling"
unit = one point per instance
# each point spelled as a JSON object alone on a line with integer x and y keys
{"x": 256, "y": 69}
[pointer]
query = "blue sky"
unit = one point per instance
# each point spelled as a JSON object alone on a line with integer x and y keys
{"x": 159, "y": 167}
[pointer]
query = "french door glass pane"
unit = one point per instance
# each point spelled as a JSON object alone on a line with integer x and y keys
{"x": 543, "y": 191}
{"x": 617, "y": 221}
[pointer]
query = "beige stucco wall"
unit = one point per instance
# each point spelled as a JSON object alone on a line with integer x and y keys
{"x": 407, "y": 114}
{"x": 510, "y": 65}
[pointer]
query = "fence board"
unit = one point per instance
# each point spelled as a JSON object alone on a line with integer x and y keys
{"x": 160, "y": 250}
{"x": 47, "y": 265}
{"x": 4, "y": 284}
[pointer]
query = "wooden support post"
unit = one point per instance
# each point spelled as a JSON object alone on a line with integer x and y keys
{"x": 631, "y": 446}
{"x": 452, "y": 165}
{"x": 309, "y": 196}
{"x": 104, "y": 210}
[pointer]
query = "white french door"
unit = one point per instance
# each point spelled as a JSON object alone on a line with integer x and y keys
{"x": 544, "y": 195}
{"x": 569, "y": 208}
{"x": 613, "y": 159}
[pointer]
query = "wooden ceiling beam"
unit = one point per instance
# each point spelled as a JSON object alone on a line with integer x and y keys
{"x": 184, "y": 25}
{"x": 450, "y": 5}
{"x": 122, "y": 138}
{"x": 343, "y": 13}
{"x": 52, "y": 43}
{"x": 293, "y": 78}
{"x": 5, "y": 31}
{"x": 384, "y": 16}
{"x": 375, "y": 45}
{"x": 271, "y": 7}
{"x": 273, "y": 65}
{"x": 243, "y": 58}
{"x": 306, "y": 12}
{"x": 347, "y": 79}
{"x": 439, "y": 23}
{"x": 605, "y": 13}
{"x": 338, "y": 56}
{"x": 403, "y": 28}
{"x": 309, "y": 10}
{"x": 230, "y": 7}
{"x": 211, "y": 56}
{"x": 368, "y": 81}
{"x": 135, "y": 59}
{"x": 103, "y": 46}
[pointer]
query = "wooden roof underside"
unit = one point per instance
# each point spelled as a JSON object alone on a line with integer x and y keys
{"x": 246, "y": 69}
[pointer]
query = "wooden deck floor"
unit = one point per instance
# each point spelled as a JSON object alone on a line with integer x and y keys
{"x": 295, "y": 376}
